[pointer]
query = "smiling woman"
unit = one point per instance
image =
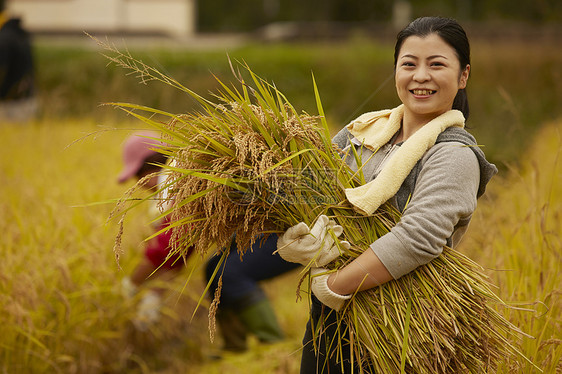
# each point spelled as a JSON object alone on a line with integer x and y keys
{"x": 416, "y": 157}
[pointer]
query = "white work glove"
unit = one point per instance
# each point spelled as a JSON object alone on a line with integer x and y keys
{"x": 148, "y": 312}
{"x": 315, "y": 246}
{"x": 128, "y": 288}
{"x": 320, "y": 289}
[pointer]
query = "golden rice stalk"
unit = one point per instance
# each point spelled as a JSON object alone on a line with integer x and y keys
{"x": 250, "y": 164}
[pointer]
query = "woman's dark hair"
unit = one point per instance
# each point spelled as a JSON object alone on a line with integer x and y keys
{"x": 453, "y": 34}
{"x": 151, "y": 164}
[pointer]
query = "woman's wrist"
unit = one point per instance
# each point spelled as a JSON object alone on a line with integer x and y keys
{"x": 366, "y": 271}
{"x": 336, "y": 285}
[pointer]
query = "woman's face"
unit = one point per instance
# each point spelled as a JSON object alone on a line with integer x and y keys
{"x": 428, "y": 76}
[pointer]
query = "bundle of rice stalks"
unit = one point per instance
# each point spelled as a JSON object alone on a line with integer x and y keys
{"x": 251, "y": 164}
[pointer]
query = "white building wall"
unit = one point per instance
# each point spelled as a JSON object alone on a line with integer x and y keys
{"x": 175, "y": 17}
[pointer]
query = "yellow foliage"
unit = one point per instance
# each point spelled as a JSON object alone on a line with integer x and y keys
{"x": 517, "y": 235}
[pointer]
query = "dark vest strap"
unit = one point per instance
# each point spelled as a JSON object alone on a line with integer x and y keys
{"x": 452, "y": 134}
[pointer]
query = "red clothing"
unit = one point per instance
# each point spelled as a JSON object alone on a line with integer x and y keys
{"x": 158, "y": 249}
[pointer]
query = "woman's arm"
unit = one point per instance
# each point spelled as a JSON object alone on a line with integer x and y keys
{"x": 366, "y": 271}
{"x": 445, "y": 193}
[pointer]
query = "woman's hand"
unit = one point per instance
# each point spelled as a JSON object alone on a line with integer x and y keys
{"x": 315, "y": 246}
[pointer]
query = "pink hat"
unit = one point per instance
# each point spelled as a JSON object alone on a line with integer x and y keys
{"x": 136, "y": 149}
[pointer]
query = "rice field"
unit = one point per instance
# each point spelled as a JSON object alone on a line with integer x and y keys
{"x": 61, "y": 305}
{"x": 62, "y": 308}
{"x": 517, "y": 236}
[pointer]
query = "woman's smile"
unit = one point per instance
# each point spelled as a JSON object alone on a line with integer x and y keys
{"x": 422, "y": 92}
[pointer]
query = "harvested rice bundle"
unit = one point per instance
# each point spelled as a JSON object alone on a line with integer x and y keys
{"x": 251, "y": 164}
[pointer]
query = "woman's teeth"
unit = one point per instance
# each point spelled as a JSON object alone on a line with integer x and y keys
{"x": 423, "y": 92}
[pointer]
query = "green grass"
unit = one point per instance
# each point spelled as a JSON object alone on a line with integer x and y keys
{"x": 514, "y": 86}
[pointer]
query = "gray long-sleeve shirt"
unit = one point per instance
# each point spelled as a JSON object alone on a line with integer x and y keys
{"x": 444, "y": 189}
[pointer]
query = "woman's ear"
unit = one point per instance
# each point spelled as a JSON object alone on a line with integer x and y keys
{"x": 464, "y": 77}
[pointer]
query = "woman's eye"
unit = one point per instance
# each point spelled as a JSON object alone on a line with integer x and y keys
{"x": 407, "y": 64}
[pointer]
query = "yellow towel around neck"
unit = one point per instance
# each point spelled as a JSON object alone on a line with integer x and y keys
{"x": 374, "y": 129}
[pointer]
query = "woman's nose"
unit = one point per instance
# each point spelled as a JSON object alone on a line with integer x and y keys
{"x": 421, "y": 74}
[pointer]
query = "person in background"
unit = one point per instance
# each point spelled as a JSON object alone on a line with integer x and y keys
{"x": 17, "y": 79}
{"x": 244, "y": 308}
{"x": 141, "y": 160}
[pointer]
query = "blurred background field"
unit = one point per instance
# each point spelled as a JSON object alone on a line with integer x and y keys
{"x": 514, "y": 86}
{"x": 62, "y": 310}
